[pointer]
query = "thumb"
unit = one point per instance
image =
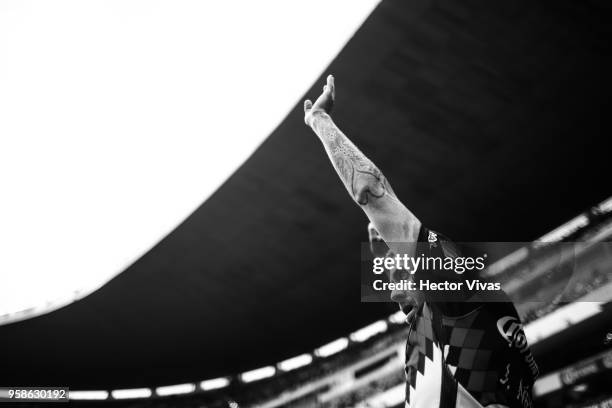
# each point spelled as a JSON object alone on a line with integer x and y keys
{"x": 307, "y": 105}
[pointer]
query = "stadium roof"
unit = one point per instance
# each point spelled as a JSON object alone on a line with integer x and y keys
{"x": 485, "y": 117}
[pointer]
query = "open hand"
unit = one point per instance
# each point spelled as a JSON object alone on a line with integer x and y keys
{"x": 324, "y": 103}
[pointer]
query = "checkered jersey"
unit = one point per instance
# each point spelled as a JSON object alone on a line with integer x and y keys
{"x": 475, "y": 359}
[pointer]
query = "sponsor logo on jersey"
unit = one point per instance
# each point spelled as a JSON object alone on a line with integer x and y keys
{"x": 432, "y": 238}
{"x": 511, "y": 330}
{"x": 524, "y": 395}
{"x": 506, "y": 378}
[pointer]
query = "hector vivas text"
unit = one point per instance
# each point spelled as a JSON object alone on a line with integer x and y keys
{"x": 411, "y": 264}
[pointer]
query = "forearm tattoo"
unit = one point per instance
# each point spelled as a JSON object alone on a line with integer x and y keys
{"x": 364, "y": 181}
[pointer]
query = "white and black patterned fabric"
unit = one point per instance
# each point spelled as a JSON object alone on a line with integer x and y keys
{"x": 471, "y": 355}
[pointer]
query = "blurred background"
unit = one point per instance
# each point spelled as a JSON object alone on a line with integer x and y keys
{"x": 174, "y": 236}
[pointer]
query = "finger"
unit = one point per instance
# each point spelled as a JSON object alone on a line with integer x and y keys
{"x": 331, "y": 85}
{"x": 307, "y": 105}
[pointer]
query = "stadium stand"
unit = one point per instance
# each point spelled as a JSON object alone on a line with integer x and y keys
{"x": 365, "y": 369}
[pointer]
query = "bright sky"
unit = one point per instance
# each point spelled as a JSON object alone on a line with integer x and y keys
{"x": 119, "y": 118}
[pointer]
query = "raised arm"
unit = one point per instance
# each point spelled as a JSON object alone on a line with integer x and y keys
{"x": 365, "y": 183}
